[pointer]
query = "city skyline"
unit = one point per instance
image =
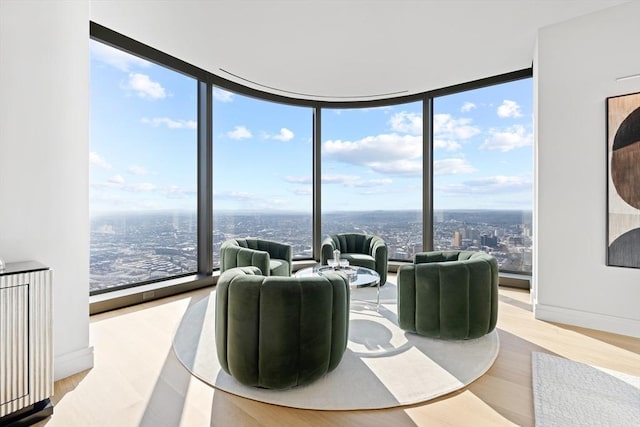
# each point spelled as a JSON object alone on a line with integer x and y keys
{"x": 128, "y": 249}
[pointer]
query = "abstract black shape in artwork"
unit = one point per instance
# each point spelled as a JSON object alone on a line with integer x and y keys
{"x": 625, "y": 250}
{"x": 625, "y": 159}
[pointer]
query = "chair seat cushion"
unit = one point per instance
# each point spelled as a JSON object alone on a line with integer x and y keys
{"x": 278, "y": 267}
{"x": 361, "y": 260}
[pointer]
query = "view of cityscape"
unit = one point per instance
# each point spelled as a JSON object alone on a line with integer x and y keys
{"x": 144, "y": 175}
{"x": 139, "y": 247}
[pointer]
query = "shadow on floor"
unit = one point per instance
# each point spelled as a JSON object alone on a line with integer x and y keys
{"x": 510, "y": 379}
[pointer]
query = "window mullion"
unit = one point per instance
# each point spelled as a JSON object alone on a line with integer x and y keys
{"x": 317, "y": 182}
{"x": 205, "y": 178}
{"x": 427, "y": 173}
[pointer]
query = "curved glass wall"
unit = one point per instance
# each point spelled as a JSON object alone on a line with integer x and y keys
{"x": 483, "y": 172}
{"x": 372, "y": 174}
{"x": 262, "y": 169}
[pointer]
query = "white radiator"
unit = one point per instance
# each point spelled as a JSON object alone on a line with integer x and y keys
{"x": 26, "y": 354}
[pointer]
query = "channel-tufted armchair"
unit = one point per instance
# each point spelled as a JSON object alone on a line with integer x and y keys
{"x": 272, "y": 258}
{"x": 449, "y": 294}
{"x": 280, "y": 332}
{"x": 363, "y": 250}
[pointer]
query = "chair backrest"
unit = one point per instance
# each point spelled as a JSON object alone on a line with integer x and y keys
{"x": 234, "y": 253}
{"x": 450, "y": 294}
{"x": 256, "y": 252}
{"x": 353, "y": 242}
{"x": 449, "y": 255}
{"x": 280, "y": 332}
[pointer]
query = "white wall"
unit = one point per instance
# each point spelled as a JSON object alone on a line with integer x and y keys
{"x": 576, "y": 66}
{"x": 44, "y": 133}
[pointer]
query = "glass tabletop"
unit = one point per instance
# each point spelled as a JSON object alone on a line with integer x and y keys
{"x": 358, "y": 276}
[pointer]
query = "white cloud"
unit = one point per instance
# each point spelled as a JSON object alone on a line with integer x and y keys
{"x": 447, "y": 127}
{"x": 298, "y": 179}
{"x": 386, "y": 153}
{"x": 489, "y": 185}
{"x": 170, "y": 123}
{"x": 306, "y": 191}
{"x": 115, "y": 57}
{"x": 508, "y": 139}
{"x": 347, "y": 180}
{"x": 96, "y": 160}
{"x": 273, "y": 202}
{"x": 468, "y": 106}
{"x": 284, "y": 135}
{"x": 137, "y": 170}
{"x": 373, "y": 148}
{"x": 448, "y": 145}
{"x": 398, "y": 167}
{"x": 116, "y": 185}
{"x": 509, "y": 109}
{"x": 116, "y": 179}
{"x": 175, "y": 192}
{"x": 245, "y": 200}
{"x": 235, "y": 195}
{"x": 354, "y": 181}
{"x": 145, "y": 87}
{"x": 141, "y": 187}
{"x": 239, "y": 132}
{"x": 406, "y": 123}
{"x": 373, "y": 182}
{"x": 452, "y": 166}
{"x": 222, "y": 95}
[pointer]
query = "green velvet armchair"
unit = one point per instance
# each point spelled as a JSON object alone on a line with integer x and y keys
{"x": 449, "y": 294}
{"x": 280, "y": 332}
{"x": 363, "y": 250}
{"x": 272, "y": 258}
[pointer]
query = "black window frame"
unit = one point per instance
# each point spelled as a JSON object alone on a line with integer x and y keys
{"x": 207, "y": 81}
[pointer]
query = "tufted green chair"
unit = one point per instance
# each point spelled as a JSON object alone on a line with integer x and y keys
{"x": 449, "y": 294}
{"x": 280, "y": 332}
{"x": 272, "y": 258}
{"x": 363, "y": 250}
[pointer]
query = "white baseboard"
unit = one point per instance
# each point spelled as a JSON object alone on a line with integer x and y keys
{"x": 602, "y": 322}
{"x": 68, "y": 364}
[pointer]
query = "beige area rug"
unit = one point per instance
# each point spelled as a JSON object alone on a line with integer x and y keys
{"x": 383, "y": 366}
{"x": 568, "y": 393}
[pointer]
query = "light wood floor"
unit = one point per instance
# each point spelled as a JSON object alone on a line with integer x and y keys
{"x": 137, "y": 380}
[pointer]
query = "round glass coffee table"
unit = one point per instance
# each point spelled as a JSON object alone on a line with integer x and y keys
{"x": 359, "y": 277}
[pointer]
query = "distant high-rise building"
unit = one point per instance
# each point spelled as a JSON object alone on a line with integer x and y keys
{"x": 516, "y": 240}
{"x": 491, "y": 241}
{"x": 457, "y": 239}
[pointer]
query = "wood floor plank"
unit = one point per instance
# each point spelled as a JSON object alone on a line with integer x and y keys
{"x": 138, "y": 381}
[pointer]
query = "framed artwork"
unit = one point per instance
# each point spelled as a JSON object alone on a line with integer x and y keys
{"x": 623, "y": 180}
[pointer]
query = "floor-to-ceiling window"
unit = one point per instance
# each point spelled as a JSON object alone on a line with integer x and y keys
{"x": 372, "y": 174}
{"x": 262, "y": 172}
{"x": 142, "y": 171}
{"x": 377, "y": 170}
{"x": 483, "y": 172}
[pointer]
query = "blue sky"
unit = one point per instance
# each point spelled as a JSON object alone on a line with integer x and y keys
{"x": 143, "y": 147}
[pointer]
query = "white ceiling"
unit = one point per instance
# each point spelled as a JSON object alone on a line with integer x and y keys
{"x": 340, "y": 50}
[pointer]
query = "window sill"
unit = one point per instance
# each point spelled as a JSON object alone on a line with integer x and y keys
{"x": 144, "y": 293}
